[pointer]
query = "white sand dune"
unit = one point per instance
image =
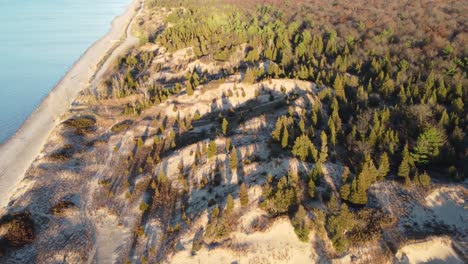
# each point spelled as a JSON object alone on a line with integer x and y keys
{"x": 434, "y": 250}
{"x": 279, "y": 244}
{"x": 17, "y": 154}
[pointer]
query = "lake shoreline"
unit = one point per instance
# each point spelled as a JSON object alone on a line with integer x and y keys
{"x": 19, "y": 151}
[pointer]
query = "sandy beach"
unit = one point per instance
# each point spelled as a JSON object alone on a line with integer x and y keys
{"x": 17, "y": 154}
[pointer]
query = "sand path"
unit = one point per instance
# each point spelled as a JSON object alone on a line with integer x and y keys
{"x": 17, "y": 154}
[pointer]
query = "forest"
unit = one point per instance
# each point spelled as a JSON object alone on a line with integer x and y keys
{"x": 392, "y": 97}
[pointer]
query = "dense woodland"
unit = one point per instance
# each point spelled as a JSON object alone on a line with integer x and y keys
{"x": 392, "y": 80}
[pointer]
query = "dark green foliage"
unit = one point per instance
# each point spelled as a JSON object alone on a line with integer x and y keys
{"x": 243, "y": 195}
{"x": 233, "y": 160}
{"x": 360, "y": 184}
{"x": 405, "y": 166}
{"x": 212, "y": 149}
{"x": 427, "y": 145}
{"x": 369, "y": 225}
{"x": 304, "y": 148}
{"x": 311, "y": 188}
{"x": 422, "y": 179}
{"x": 224, "y": 126}
{"x": 80, "y": 122}
{"x": 300, "y": 224}
{"x": 229, "y": 205}
{"x": 384, "y": 166}
{"x": 281, "y": 198}
{"x": 323, "y": 148}
{"x": 250, "y": 76}
{"x": 337, "y": 225}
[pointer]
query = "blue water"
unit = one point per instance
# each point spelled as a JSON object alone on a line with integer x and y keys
{"x": 39, "y": 41}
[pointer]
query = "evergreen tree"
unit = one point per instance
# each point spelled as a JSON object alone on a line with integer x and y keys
{"x": 299, "y": 224}
{"x": 311, "y": 188}
{"x": 345, "y": 191}
{"x": 338, "y": 85}
{"x": 279, "y": 200}
{"x": 212, "y": 149}
{"x": 250, "y": 76}
{"x": 338, "y": 224}
{"x": 189, "y": 88}
{"x": 424, "y": 179}
{"x": 224, "y": 126}
{"x": 233, "y": 160}
{"x": 243, "y": 195}
{"x": 384, "y": 166}
{"x": 228, "y": 145}
{"x": 444, "y": 119}
{"x": 303, "y": 147}
{"x": 323, "y": 148}
{"x": 404, "y": 168}
{"x": 332, "y": 132}
{"x": 427, "y": 145}
{"x": 285, "y": 139}
{"x": 229, "y": 205}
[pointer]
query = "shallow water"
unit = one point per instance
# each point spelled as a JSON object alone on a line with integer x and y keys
{"x": 39, "y": 41}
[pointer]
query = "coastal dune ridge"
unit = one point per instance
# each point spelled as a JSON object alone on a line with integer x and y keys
{"x": 21, "y": 149}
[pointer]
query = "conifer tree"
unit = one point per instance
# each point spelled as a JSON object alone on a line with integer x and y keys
{"x": 243, "y": 195}
{"x": 311, "y": 188}
{"x": 427, "y": 145}
{"x": 338, "y": 85}
{"x": 424, "y": 179}
{"x": 303, "y": 147}
{"x": 212, "y": 149}
{"x": 323, "y": 148}
{"x": 224, "y": 126}
{"x": 299, "y": 224}
{"x": 404, "y": 168}
{"x": 228, "y": 145}
{"x": 189, "y": 88}
{"x": 302, "y": 125}
{"x": 332, "y": 132}
{"x": 384, "y": 166}
{"x": 444, "y": 119}
{"x": 233, "y": 160}
{"x": 285, "y": 139}
{"x": 229, "y": 205}
{"x": 249, "y": 77}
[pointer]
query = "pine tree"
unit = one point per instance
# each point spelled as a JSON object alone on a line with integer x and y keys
{"x": 299, "y": 224}
{"x": 404, "y": 168}
{"x": 332, "y": 131}
{"x": 228, "y": 145}
{"x": 249, "y": 77}
{"x": 424, "y": 179}
{"x": 243, "y": 195}
{"x": 359, "y": 186}
{"x": 427, "y": 145}
{"x": 303, "y": 147}
{"x": 189, "y": 88}
{"x": 285, "y": 139}
{"x": 345, "y": 191}
{"x": 224, "y": 126}
{"x": 384, "y": 166}
{"x": 212, "y": 149}
{"x": 229, "y": 205}
{"x": 338, "y": 85}
{"x": 311, "y": 188}
{"x": 302, "y": 125}
{"x": 233, "y": 160}
{"x": 323, "y": 148}
{"x": 444, "y": 119}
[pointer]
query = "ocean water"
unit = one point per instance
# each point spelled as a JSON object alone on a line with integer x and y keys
{"x": 39, "y": 41}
